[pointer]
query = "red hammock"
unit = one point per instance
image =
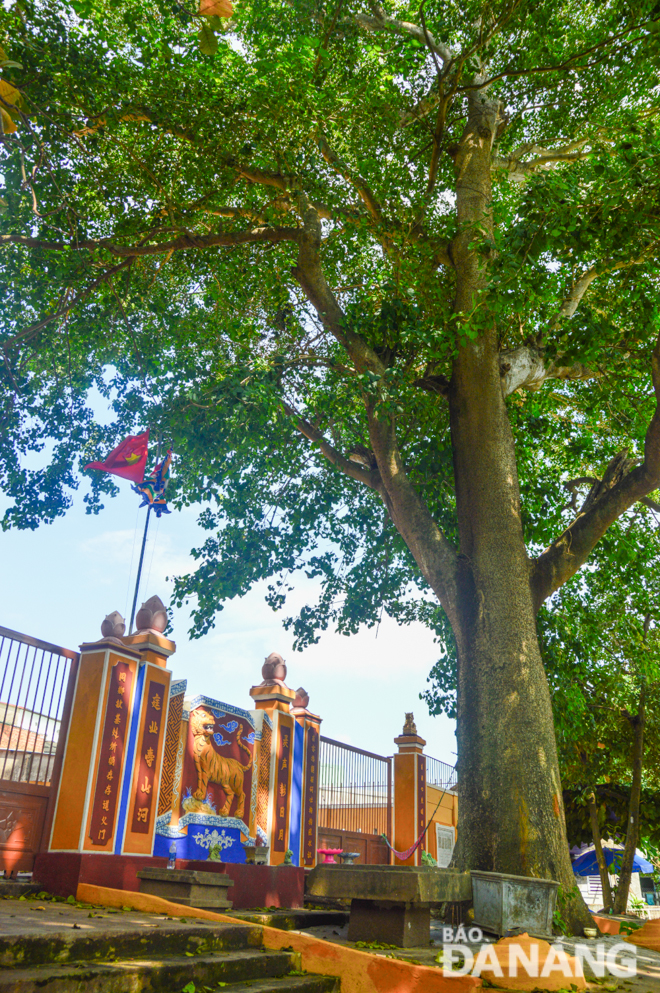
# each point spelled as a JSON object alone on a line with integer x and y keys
{"x": 402, "y": 856}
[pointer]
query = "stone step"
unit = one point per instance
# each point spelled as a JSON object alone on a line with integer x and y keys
{"x": 293, "y": 920}
{"x": 157, "y": 973}
{"x": 66, "y": 946}
{"x": 287, "y": 984}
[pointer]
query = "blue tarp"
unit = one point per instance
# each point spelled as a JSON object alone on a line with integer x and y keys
{"x": 586, "y": 865}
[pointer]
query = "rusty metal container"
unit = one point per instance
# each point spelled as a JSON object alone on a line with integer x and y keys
{"x": 502, "y": 902}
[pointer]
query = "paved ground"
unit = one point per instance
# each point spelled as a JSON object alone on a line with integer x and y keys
{"x": 40, "y": 917}
{"x": 34, "y": 917}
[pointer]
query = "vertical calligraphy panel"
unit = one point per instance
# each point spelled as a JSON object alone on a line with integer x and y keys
{"x": 310, "y": 796}
{"x": 282, "y": 783}
{"x": 421, "y": 803}
{"x": 147, "y": 763}
{"x": 111, "y": 755}
{"x": 155, "y": 707}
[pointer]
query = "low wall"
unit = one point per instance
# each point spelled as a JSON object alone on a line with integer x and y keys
{"x": 254, "y": 886}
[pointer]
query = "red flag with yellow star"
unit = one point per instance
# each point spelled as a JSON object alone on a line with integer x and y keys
{"x": 128, "y": 460}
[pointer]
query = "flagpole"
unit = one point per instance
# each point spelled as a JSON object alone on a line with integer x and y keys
{"x": 139, "y": 572}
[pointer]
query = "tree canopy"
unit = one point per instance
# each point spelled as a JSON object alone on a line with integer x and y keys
{"x": 601, "y": 647}
{"x": 152, "y": 210}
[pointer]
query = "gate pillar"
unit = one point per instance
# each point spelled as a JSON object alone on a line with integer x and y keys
{"x": 107, "y": 800}
{"x": 409, "y": 791}
{"x": 293, "y": 764}
{"x": 308, "y": 730}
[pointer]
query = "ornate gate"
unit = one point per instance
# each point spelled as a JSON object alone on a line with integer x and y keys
{"x": 36, "y": 684}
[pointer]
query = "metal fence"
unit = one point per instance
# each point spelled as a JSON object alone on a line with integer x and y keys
{"x": 440, "y": 774}
{"x": 33, "y": 682}
{"x": 355, "y": 789}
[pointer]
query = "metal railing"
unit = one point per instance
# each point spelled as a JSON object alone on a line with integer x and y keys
{"x": 355, "y": 789}
{"x": 33, "y": 682}
{"x": 440, "y": 774}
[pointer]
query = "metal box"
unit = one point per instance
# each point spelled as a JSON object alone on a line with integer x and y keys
{"x": 502, "y": 902}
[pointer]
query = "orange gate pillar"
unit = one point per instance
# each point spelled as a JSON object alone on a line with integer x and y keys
{"x": 409, "y": 792}
{"x": 107, "y": 799}
{"x": 275, "y": 698}
{"x": 309, "y": 728}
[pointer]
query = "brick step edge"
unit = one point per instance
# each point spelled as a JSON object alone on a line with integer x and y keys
{"x": 290, "y": 984}
{"x": 160, "y": 975}
{"x": 293, "y": 920}
{"x": 66, "y": 946}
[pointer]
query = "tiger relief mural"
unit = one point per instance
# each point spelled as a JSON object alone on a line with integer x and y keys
{"x": 212, "y": 767}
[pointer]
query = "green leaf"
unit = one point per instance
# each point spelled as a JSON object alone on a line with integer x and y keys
{"x": 208, "y": 43}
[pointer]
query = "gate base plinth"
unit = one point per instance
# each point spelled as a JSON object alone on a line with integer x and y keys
{"x": 191, "y": 887}
{"x": 403, "y": 924}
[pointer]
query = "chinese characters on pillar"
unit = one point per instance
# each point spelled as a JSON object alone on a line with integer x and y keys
{"x": 108, "y": 780}
{"x": 155, "y": 711}
{"x": 281, "y": 819}
{"x": 421, "y": 798}
{"x": 310, "y": 795}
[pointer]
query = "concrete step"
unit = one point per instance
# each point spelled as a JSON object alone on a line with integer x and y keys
{"x": 17, "y": 887}
{"x": 287, "y": 984}
{"x": 66, "y": 946}
{"x": 156, "y": 974}
{"x": 293, "y": 920}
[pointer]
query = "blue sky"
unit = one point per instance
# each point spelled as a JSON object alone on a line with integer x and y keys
{"x": 59, "y": 582}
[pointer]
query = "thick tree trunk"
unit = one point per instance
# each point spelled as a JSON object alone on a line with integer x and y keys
{"x": 600, "y": 857}
{"x": 510, "y": 797}
{"x": 632, "y": 833}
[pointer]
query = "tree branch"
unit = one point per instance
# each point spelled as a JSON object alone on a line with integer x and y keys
{"x": 571, "y": 302}
{"x": 184, "y": 241}
{"x": 432, "y": 551}
{"x": 370, "y": 477}
{"x": 525, "y": 368}
{"x": 309, "y": 274}
{"x": 381, "y": 22}
{"x": 130, "y": 253}
{"x": 434, "y": 554}
{"x": 363, "y": 188}
{"x": 545, "y": 158}
{"x": 65, "y": 307}
{"x": 620, "y": 488}
{"x": 570, "y": 62}
{"x": 572, "y": 485}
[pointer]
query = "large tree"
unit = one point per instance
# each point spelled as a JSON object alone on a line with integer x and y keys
{"x": 369, "y": 268}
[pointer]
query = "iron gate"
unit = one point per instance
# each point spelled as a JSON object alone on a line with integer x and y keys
{"x": 36, "y": 683}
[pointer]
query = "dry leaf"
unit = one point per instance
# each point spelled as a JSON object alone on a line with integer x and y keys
{"x": 9, "y": 93}
{"x": 215, "y": 8}
{"x": 8, "y": 125}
